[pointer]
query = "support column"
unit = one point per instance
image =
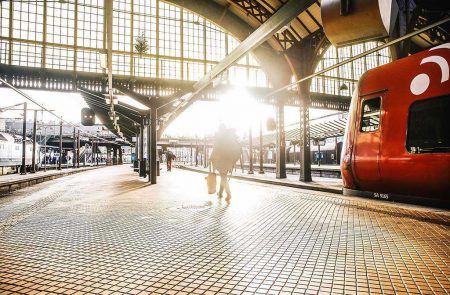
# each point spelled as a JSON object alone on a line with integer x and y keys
{"x": 78, "y": 149}
{"x": 149, "y": 160}
{"x": 114, "y": 159}
{"x": 33, "y": 157}
{"x": 136, "y": 154}
{"x": 23, "y": 168}
{"x": 60, "y": 144}
{"x": 108, "y": 155}
{"x": 305, "y": 149}
{"x": 97, "y": 151}
{"x": 93, "y": 152}
{"x": 153, "y": 143}
{"x": 74, "y": 157}
{"x": 141, "y": 151}
{"x": 120, "y": 156}
{"x": 250, "y": 151}
{"x": 261, "y": 151}
{"x": 205, "y": 152}
{"x": 196, "y": 153}
{"x": 281, "y": 143}
{"x": 318, "y": 151}
{"x": 191, "y": 154}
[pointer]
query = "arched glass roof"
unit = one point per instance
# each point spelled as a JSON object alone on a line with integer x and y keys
{"x": 180, "y": 45}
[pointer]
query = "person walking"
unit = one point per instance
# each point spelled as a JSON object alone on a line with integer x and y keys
{"x": 226, "y": 151}
{"x": 170, "y": 157}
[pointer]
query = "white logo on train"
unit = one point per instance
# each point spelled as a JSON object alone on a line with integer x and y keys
{"x": 421, "y": 82}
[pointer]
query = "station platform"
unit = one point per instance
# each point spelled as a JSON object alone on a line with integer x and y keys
{"x": 12, "y": 182}
{"x": 106, "y": 231}
{"x": 324, "y": 184}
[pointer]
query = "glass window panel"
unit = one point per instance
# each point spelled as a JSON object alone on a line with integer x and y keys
{"x": 170, "y": 69}
{"x": 428, "y": 126}
{"x": 28, "y": 55}
{"x": 193, "y": 71}
{"x": 252, "y": 60}
{"x": 144, "y": 19}
{"x": 60, "y": 22}
{"x": 232, "y": 43}
{"x": 193, "y": 36}
{"x": 257, "y": 78}
{"x": 348, "y": 74}
{"x": 59, "y": 58}
{"x": 122, "y": 5}
{"x": 237, "y": 75}
{"x": 88, "y": 61}
{"x": 370, "y": 120}
{"x": 28, "y": 20}
{"x": 145, "y": 67}
{"x": 121, "y": 30}
{"x": 170, "y": 30}
{"x": 4, "y": 50}
{"x": 4, "y": 18}
{"x": 90, "y": 24}
{"x": 121, "y": 64}
{"x": 215, "y": 42}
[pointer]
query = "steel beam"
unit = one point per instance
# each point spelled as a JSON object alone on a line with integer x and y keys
{"x": 282, "y": 17}
{"x": 279, "y": 19}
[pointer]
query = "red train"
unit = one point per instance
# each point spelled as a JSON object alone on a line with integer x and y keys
{"x": 397, "y": 142}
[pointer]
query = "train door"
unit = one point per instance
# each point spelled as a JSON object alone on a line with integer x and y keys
{"x": 367, "y": 143}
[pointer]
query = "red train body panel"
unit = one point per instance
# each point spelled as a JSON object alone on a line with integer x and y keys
{"x": 394, "y": 142}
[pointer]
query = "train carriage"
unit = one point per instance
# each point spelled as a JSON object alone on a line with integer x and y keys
{"x": 11, "y": 152}
{"x": 397, "y": 142}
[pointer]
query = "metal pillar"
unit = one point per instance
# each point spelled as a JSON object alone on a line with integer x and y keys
{"x": 191, "y": 154}
{"x": 305, "y": 149}
{"x": 60, "y": 144}
{"x": 153, "y": 149}
{"x": 108, "y": 155}
{"x": 136, "y": 154}
{"x": 261, "y": 152}
{"x": 149, "y": 159}
{"x": 141, "y": 151}
{"x": 33, "y": 157}
{"x": 93, "y": 152}
{"x": 281, "y": 143}
{"x": 78, "y": 149}
{"x": 23, "y": 168}
{"x": 196, "y": 152}
{"x": 74, "y": 163}
{"x": 114, "y": 159}
{"x": 250, "y": 151}
{"x": 120, "y": 156}
{"x": 97, "y": 151}
{"x": 205, "y": 151}
{"x": 318, "y": 151}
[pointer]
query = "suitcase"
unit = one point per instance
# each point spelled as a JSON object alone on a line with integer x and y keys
{"x": 211, "y": 182}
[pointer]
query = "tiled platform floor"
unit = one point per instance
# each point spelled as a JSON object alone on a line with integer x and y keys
{"x": 107, "y": 232}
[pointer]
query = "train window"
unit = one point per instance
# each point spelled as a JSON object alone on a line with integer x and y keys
{"x": 370, "y": 120}
{"x": 428, "y": 129}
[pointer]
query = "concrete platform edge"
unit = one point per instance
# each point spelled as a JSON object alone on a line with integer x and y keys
{"x": 274, "y": 182}
{"x": 10, "y": 186}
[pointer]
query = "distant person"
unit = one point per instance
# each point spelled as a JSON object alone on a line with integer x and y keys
{"x": 169, "y": 157}
{"x": 226, "y": 151}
